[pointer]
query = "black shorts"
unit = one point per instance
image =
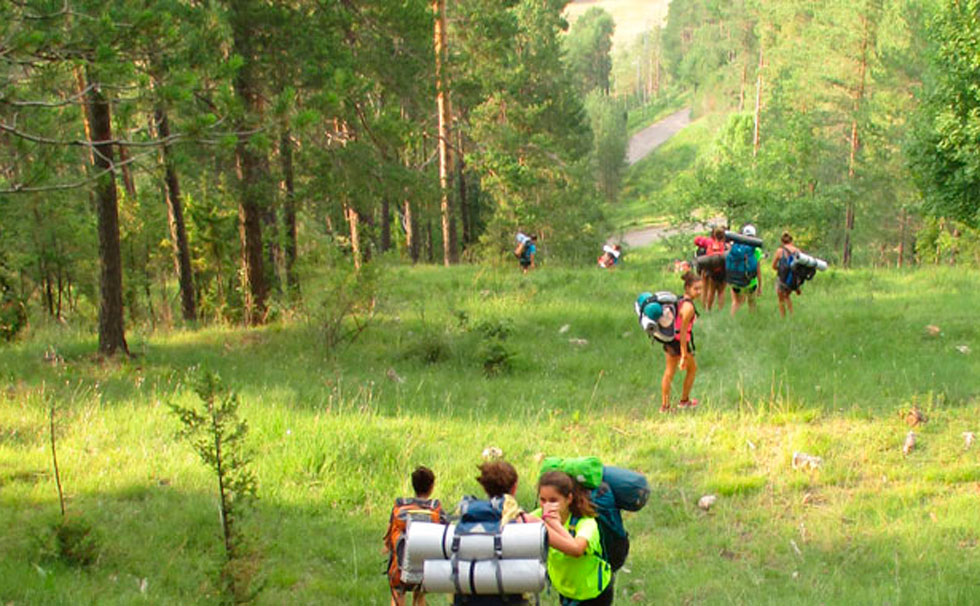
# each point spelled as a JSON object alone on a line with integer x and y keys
{"x": 738, "y": 289}
{"x": 674, "y": 347}
{"x": 603, "y": 599}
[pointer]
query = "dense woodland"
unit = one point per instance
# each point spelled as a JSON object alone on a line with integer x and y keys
{"x": 165, "y": 161}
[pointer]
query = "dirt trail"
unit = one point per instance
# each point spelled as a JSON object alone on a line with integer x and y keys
{"x": 655, "y": 135}
{"x": 640, "y": 145}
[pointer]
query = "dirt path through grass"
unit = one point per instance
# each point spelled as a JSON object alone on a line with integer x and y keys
{"x": 655, "y": 135}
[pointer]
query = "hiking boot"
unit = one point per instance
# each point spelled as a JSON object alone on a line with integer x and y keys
{"x": 692, "y": 403}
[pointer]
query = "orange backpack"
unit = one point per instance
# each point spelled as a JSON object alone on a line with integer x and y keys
{"x": 405, "y": 509}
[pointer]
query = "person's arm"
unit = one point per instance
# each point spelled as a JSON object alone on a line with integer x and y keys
{"x": 687, "y": 318}
{"x": 776, "y": 257}
{"x": 561, "y": 539}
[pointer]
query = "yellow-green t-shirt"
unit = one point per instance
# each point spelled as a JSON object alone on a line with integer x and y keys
{"x": 586, "y": 576}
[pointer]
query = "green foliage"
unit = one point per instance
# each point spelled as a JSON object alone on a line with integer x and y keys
{"x": 607, "y": 119}
{"x": 944, "y": 151}
{"x": 76, "y": 542}
{"x": 218, "y": 436}
{"x": 589, "y": 44}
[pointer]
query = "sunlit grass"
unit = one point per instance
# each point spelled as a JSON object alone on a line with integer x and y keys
{"x": 335, "y": 435}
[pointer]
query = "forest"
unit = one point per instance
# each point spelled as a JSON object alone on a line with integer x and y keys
{"x": 269, "y": 246}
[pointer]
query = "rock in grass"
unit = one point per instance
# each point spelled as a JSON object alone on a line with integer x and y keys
{"x": 579, "y": 342}
{"x": 565, "y": 328}
{"x": 914, "y": 417}
{"x": 932, "y": 330}
{"x": 393, "y": 376}
{"x": 968, "y": 439}
{"x": 801, "y": 460}
{"x": 707, "y": 501}
{"x": 909, "y": 445}
{"x": 963, "y": 349}
{"x": 491, "y": 453}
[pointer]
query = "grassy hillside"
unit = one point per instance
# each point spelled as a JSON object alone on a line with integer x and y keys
{"x": 335, "y": 435}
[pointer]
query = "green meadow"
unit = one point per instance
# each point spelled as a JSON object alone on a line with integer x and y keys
{"x": 456, "y": 360}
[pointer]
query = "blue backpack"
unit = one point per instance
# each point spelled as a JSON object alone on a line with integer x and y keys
{"x": 620, "y": 489}
{"x": 741, "y": 266}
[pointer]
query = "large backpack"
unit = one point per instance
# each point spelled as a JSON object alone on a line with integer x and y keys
{"x": 741, "y": 266}
{"x": 617, "y": 490}
{"x": 406, "y": 509}
{"x": 793, "y": 274}
{"x": 657, "y": 313}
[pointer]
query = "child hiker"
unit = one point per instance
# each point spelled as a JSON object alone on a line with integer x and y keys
{"x": 679, "y": 353}
{"x": 576, "y": 566}
{"x": 420, "y": 507}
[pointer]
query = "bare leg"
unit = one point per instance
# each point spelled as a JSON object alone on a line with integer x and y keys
{"x": 789, "y": 303}
{"x": 669, "y": 370}
{"x": 751, "y": 298}
{"x": 418, "y": 598}
{"x": 692, "y": 369}
{"x": 736, "y": 301}
{"x": 397, "y": 598}
{"x": 781, "y": 296}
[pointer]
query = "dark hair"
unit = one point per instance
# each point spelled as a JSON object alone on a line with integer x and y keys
{"x": 786, "y": 238}
{"x": 690, "y": 278}
{"x": 718, "y": 233}
{"x": 422, "y": 480}
{"x": 497, "y": 478}
{"x": 580, "y": 505}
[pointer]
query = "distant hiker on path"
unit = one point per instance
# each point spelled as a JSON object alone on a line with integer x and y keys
{"x": 576, "y": 566}
{"x": 781, "y": 262}
{"x": 713, "y": 277}
{"x": 526, "y": 251}
{"x": 610, "y": 256}
{"x": 745, "y": 259}
{"x": 680, "y": 352}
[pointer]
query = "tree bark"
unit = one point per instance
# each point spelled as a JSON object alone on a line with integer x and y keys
{"x": 901, "y": 238}
{"x": 112, "y": 336}
{"x": 252, "y": 166}
{"x": 449, "y": 252}
{"x": 289, "y": 208}
{"x": 411, "y": 226}
{"x": 175, "y": 218}
{"x": 855, "y": 143}
{"x": 354, "y": 223}
{"x": 385, "y": 225}
{"x": 758, "y": 105}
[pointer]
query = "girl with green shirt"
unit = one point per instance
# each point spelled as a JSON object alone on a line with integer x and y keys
{"x": 576, "y": 567}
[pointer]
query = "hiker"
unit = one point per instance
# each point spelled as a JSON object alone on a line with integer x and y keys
{"x": 526, "y": 251}
{"x": 679, "y": 353}
{"x": 781, "y": 262}
{"x": 610, "y": 256}
{"x": 576, "y": 566}
{"x": 754, "y": 287}
{"x": 420, "y": 507}
{"x": 713, "y": 280}
{"x": 499, "y": 481}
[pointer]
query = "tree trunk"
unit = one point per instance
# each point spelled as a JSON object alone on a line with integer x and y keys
{"x": 175, "y": 218}
{"x": 430, "y": 244}
{"x": 442, "y": 103}
{"x": 411, "y": 226}
{"x": 855, "y": 143}
{"x": 112, "y": 336}
{"x": 465, "y": 212}
{"x": 252, "y": 165}
{"x": 354, "y": 222}
{"x": 289, "y": 208}
{"x": 901, "y": 238}
{"x": 385, "y": 225}
{"x": 758, "y": 105}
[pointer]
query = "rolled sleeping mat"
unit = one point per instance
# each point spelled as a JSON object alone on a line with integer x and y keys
{"x": 733, "y": 236}
{"x": 709, "y": 262}
{"x": 484, "y": 577}
{"x": 522, "y": 237}
{"x": 429, "y": 541}
{"x": 808, "y": 261}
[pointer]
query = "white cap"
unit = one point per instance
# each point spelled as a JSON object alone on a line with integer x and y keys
{"x": 748, "y": 230}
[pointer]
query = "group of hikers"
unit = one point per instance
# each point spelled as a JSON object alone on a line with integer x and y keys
{"x": 579, "y": 569}
{"x": 725, "y": 259}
